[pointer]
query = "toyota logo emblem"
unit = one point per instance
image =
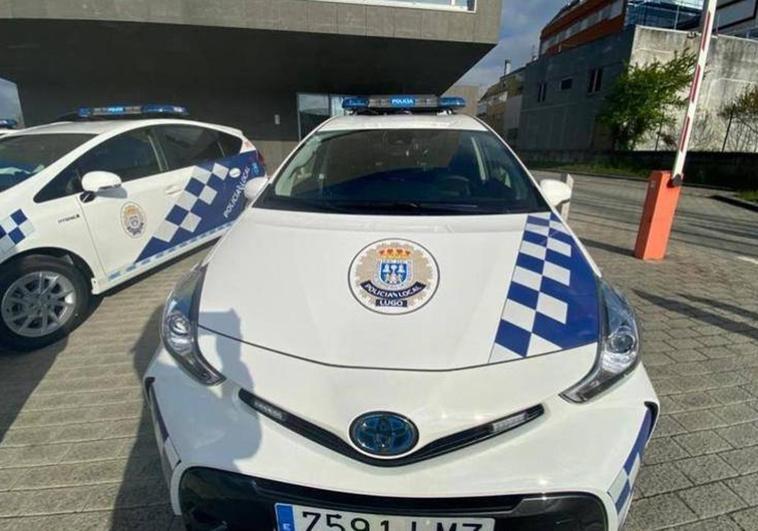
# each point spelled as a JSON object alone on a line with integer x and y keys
{"x": 384, "y": 434}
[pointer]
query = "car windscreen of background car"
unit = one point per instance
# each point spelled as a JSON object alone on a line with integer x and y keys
{"x": 22, "y": 156}
{"x": 404, "y": 172}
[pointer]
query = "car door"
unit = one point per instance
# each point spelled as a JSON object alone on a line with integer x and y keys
{"x": 215, "y": 172}
{"x": 123, "y": 220}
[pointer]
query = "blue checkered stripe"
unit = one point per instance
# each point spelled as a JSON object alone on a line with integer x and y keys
{"x": 174, "y": 251}
{"x": 203, "y": 205}
{"x": 552, "y": 299}
{"x": 13, "y": 230}
{"x": 621, "y": 490}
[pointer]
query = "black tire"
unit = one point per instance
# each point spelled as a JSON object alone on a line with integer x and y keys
{"x": 16, "y": 269}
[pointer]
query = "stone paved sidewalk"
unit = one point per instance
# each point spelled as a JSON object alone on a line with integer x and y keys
{"x": 77, "y": 450}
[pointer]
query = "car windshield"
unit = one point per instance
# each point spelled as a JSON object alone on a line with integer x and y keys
{"x": 404, "y": 172}
{"x": 22, "y": 156}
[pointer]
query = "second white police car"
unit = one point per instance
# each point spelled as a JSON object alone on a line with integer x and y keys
{"x": 418, "y": 342}
{"x": 102, "y": 196}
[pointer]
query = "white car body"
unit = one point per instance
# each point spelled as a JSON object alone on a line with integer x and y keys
{"x": 288, "y": 330}
{"x": 94, "y": 233}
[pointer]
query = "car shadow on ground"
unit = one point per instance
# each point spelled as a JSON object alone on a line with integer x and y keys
{"x": 615, "y": 249}
{"x": 703, "y": 315}
{"x": 21, "y": 373}
{"x": 143, "y": 501}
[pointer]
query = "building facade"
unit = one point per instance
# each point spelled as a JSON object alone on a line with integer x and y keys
{"x": 500, "y": 106}
{"x": 273, "y": 68}
{"x": 583, "y": 21}
{"x": 564, "y": 93}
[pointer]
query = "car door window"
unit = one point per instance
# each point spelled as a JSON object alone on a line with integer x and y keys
{"x": 131, "y": 155}
{"x": 186, "y": 145}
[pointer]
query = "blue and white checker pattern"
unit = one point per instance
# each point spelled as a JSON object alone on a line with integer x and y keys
{"x": 552, "y": 300}
{"x": 621, "y": 489}
{"x": 169, "y": 253}
{"x": 202, "y": 205}
{"x": 13, "y": 230}
{"x": 201, "y": 191}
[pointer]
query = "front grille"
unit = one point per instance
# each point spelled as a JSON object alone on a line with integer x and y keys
{"x": 336, "y": 443}
{"x": 213, "y": 499}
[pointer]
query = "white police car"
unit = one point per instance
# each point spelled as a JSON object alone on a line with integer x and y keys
{"x": 417, "y": 342}
{"x": 88, "y": 204}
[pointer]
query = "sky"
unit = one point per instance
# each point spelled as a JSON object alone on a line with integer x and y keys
{"x": 521, "y": 23}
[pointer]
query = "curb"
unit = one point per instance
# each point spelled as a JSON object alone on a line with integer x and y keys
{"x": 748, "y": 205}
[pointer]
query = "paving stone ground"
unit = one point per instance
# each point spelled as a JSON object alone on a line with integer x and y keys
{"x": 77, "y": 449}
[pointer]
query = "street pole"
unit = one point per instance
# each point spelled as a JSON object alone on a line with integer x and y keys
{"x": 664, "y": 187}
{"x": 709, "y": 17}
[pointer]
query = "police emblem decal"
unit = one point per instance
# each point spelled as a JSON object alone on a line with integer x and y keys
{"x": 133, "y": 220}
{"x": 394, "y": 277}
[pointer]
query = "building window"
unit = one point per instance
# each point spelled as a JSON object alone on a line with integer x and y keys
{"x": 314, "y": 109}
{"x": 542, "y": 93}
{"x": 460, "y": 5}
{"x": 595, "y": 81}
{"x": 567, "y": 84}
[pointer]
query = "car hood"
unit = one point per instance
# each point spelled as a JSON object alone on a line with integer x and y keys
{"x": 507, "y": 288}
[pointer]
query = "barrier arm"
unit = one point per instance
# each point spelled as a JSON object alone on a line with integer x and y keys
{"x": 664, "y": 187}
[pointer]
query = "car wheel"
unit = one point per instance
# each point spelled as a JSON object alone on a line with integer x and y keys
{"x": 42, "y": 300}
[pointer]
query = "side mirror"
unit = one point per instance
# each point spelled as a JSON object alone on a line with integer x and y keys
{"x": 254, "y": 187}
{"x": 556, "y": 192}
{"x": 99, "y": 181}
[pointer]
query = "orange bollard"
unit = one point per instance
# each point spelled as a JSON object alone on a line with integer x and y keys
{"x": 657, "y": 217}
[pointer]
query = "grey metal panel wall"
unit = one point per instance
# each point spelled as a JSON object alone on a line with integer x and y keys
{"x": 287, "y": 15}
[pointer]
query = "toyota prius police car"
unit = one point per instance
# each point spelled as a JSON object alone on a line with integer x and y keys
{"x": 401, "y": 334}
{"x": 89, "y": 203}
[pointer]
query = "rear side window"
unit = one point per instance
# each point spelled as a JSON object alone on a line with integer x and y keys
{"x": 231, "y": 145}
{"x": 186, "y": 145}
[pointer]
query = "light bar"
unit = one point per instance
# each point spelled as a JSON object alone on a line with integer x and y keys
{"x": 7, "y": 123}
{"x": 121, "y": 111}
{"x": 402, "y": 102}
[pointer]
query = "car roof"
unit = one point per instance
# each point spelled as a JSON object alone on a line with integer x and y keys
{"x": 404, "y": 121}
{"x": 99, "y": 127}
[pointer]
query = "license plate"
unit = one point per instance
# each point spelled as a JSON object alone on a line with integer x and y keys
{"x": 298, "y": 518}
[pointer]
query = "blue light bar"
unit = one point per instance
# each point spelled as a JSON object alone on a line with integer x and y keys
{"x": 7, "y": 123}
{"x": 353, "y": 104}
{"x": 122, "y": 111}
{"x": 401, "y": 102}
{"x": 452, "y": 102}
{"x": 175, "y": 110}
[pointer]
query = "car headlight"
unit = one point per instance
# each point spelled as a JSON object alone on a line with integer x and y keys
{"x": 618, "y": 347}
{"x": 179, "y": 328}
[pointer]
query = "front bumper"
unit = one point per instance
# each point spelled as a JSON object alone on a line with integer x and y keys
{"x": 571, "y": 469}
{"x": 243, "y": 502}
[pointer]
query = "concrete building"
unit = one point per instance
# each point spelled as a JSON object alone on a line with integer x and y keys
{"x": 738, "y": 18}
{"x": 563, "y": 93}
{"x": 500, "y": 106}
{"x": 273, "y": 68}
{"x": 583, "y": 21}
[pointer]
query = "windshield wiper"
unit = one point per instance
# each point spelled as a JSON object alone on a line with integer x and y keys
{"x": 411, "y": 207}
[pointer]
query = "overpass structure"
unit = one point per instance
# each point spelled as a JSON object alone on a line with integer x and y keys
{"x": 273, "y": 68}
